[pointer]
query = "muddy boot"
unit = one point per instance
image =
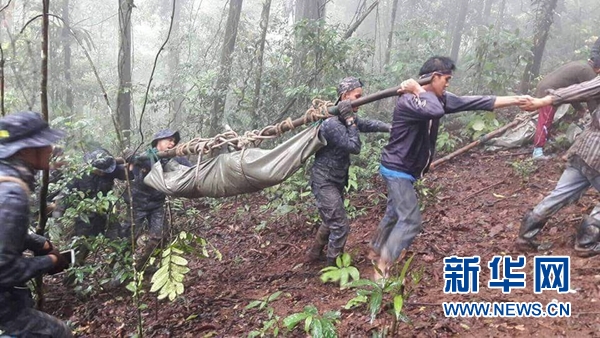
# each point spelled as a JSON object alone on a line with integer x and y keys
{"x": 587, "y": 243}
{"x": 148, "y": 248}
{"x": 315, "y": 252}
{"x": 531, "y": 225}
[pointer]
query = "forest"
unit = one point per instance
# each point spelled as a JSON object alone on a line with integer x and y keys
{"x": 112, "y": 74}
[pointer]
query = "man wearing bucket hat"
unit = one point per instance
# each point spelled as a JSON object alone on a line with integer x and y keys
{"x": 25, "y": 146}
{"x": 329, "y": 173}
{"x": 149, "y": 203}
{"x": 99, "y": 178}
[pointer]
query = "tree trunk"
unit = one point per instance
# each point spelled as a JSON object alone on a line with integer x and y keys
{"x": 43, "y": 218}
{"x": 66, "y": 41}
{"x": 360, "y": 20}
{"x": 218, "y": 106}
{"x": 310, "y": 10}
{"x": 544, "y": 20}
{"x": 124, "y": 70}
{"x": 500, "y": 19}
{"x": 487, "y": 10}
{"x": 176, "y": 102}
{"x": 388, "y": 51}
{"x": 458, "y": 28}
{"x": 264, "y": 24}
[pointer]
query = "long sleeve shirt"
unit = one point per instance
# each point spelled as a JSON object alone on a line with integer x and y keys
{"x": 333, "y": 161}
{"x": 415, "y": 127}
{"x": 587, "y": 145}
{"x": 566, "y": 75}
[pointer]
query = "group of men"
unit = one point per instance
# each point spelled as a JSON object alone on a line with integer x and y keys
{"x": 26, "y": 146}
{"x": 411, "y": 147}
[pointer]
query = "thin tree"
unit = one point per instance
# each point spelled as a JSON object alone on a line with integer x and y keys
{"x": 458, "y": 28}
{"x": 124, "y": 69}
{"x": 544, "y": 19}
{"x": 66, "y": 41}
{"x": 388, "y": 50}
{"x": 264, "y": 24}
{"x": 43, "y": 218}
{"x": 222, "y": 85}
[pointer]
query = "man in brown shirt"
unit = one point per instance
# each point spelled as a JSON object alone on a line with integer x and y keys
{"x": 582, "y": 172}
{"x": 568, "y": 74}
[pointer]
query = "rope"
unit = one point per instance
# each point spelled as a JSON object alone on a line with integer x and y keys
{"x": 318, "y": 111}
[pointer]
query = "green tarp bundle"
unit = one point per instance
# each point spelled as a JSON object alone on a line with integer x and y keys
{"x": 240, "y": 172}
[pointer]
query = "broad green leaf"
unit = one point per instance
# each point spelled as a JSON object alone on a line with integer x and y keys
{"x": 346, "y": 259}
{"x": 307, "y": 323}
{"x": 398, "y": 303}
{"x": 329, "y": 330}
{"x": 375, "y": 305}
{"x": 317, "y": 328}
{"x": 253, "y": 304}
{"x": 292, "y": 320}
{"x": 358, "y": 300}
{"x": 179, "y": 260}
{"x": 274, "y": 296}
{"x": 478, "y": 125}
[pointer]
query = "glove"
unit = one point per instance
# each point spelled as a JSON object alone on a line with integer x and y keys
{"x": 42, "y": 251}
{"x": 345, "y": 109}
{"x": 61, "y": 262}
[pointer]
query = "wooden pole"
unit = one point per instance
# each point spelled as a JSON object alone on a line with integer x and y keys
{"x": 481, "y": 140}
{"x": 272, "y": 130}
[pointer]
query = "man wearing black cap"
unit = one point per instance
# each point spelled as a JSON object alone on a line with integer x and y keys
{"x": 25, "y": 146}
{"x": 99, "y": 178}
{"x": 329, "y": 173}
{"x": 149, "y": 203}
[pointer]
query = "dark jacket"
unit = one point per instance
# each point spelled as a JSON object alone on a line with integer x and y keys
{"x": 145, "y": 197}
{"x": 15, "y": 269}
{"x": 569, "y": 74}
{"x": 333, "y": 161}
{"x": 415, "y": 127}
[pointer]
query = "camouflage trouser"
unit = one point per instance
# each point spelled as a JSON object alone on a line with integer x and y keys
{"x": 155, "y": 219}
{"x": 330, "y": 202}
{"x": 401, "y": 222}
{"x": 24, "y": 321}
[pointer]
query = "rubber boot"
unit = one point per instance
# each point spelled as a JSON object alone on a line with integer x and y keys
{"x": 587, "y": 243}
{"x": 315, "y": 252}
{"x": 531, "y": 225}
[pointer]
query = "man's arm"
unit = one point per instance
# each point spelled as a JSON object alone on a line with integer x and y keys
{"x": 577, "y": 92}
{"x": 372, "y": 126}
{"x": 338, "y": 135}
{"x": 14, "y": 268}
{"x": 507, "y": 101}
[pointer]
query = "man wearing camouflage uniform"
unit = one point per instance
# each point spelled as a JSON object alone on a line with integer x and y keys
{"x": 99, "y": 179}
{"x": 581, "y": 173}
{"x": 329, "y": 173}
{"x": 149, "y": 203}
{"x": 25, "y": 146}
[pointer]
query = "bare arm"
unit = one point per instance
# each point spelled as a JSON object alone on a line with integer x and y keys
{"x": 507, "y": 101}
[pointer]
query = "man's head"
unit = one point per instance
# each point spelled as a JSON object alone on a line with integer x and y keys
{"x": 27, "y": 136}
{"x": 165, "y": 139}
{"x": 440, "y": 69}
{"x": 101, "y": 160}
{"x": 350, "y": 88}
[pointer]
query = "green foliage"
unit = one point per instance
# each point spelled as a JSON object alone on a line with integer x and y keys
{"x": 343, "y": 272}
{"x": 271, "y": 324}
{"x": 376, "y": 295}
{"x": 481, "y": 124}
{"x": 111, "y": 261}
{"x": 524, "y": 168}
{"x": 446, "y": 142}
{"x": 314, "y": 324}
{"x": 426, "y": 195}
{"x": 168, "y": 279}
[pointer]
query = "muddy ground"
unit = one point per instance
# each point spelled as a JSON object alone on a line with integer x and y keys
{"x": 474, "y": 208}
